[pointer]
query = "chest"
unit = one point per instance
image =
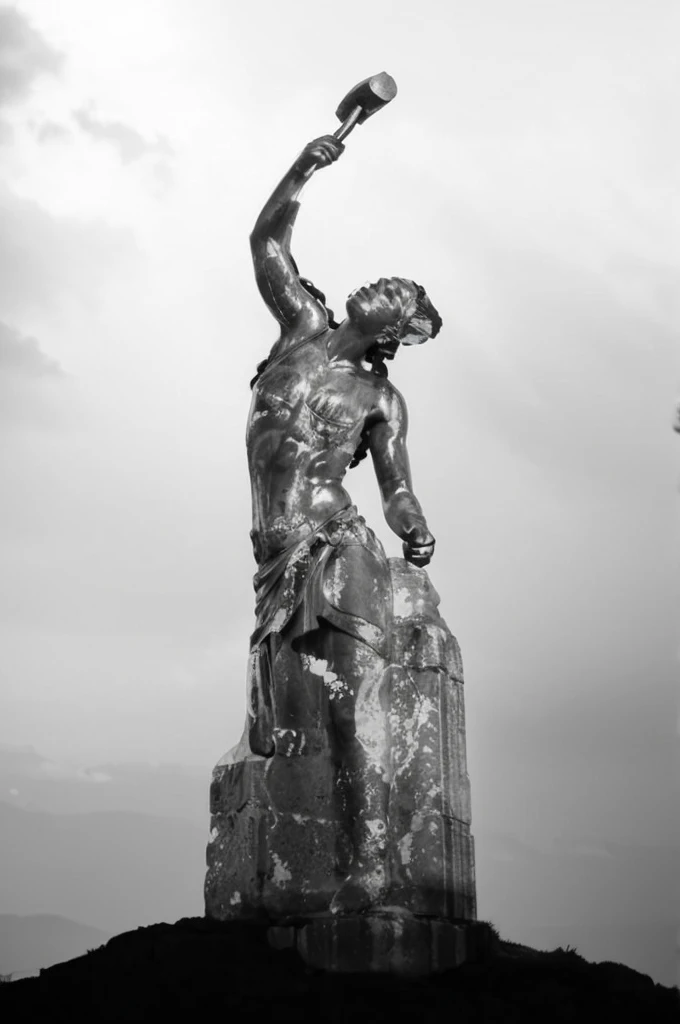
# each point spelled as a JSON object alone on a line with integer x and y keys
{"x": 329, "y": 402}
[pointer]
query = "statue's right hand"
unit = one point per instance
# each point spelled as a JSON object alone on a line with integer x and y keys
{"x": 319, "y": 153}
{"x": 418, "y": 547}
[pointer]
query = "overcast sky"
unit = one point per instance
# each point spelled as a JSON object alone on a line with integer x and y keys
{"x": 526, "y": 174}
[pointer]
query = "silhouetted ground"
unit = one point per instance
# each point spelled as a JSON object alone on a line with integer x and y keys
{"x": 197, "y": 967}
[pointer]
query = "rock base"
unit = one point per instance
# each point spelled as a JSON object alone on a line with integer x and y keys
{"x": 384, "y": 943}
{"x": 279, "y": 845}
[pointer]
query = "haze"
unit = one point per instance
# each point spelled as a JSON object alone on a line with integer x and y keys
{"x": 526, "y": 175}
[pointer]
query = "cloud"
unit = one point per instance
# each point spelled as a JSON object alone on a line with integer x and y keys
{"x": 24, "y": 56}
{"x": 22, "y": 357}
{"x": 28, "y": 379}
{"x": 50, "y": 131}
{"x": 46, "y": 260}
{"x": 61, "y": 770}
{"x": 129, "y": 143}
{"x": 569, "y": 368}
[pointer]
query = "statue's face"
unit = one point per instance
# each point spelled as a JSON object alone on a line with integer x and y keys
{"x": 387, "y": 303}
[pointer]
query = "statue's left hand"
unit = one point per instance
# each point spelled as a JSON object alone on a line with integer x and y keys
{"x": 418, "y": 547}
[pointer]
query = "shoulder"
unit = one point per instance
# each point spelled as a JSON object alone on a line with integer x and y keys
{"x": 301, "y": 343}
{"x": 390, "y": 401}
{"x": 298, "y": 349}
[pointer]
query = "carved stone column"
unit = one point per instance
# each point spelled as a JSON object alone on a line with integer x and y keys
{"x": 431, "y": 850}
{"x": 273, "y": 854}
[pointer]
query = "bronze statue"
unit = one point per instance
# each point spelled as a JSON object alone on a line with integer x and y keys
{"x": 321, "y": 401}
{"x": 341, "y": 820}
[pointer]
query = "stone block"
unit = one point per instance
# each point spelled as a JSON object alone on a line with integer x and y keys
{"x": 300, "y": 855}
{"x": 273, "y": 846}
{"x": 431, "y": 867}
{"x": 300, "y": 785}
{"x": 235, "y": 786}
{"x": 386, "y": 943}
{"x": 236, "y": 859}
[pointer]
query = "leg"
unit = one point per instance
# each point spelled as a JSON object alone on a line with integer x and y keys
{"x": 299, "y": 705}
{"x": 286, "y": 705}
{"x": 351, "y": 673}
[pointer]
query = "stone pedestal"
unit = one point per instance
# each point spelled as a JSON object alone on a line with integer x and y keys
{"x": 386, "y": 942}
{"x": 276, "y": 843}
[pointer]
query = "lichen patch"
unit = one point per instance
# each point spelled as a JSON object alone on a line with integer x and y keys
{"x": 281, "y": 873}
{"x": 404, "y": 846}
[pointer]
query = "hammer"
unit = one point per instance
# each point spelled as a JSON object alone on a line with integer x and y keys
{"x": 363, "y": 100}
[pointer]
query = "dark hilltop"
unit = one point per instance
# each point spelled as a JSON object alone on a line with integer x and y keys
{"x": 197, "y": 966}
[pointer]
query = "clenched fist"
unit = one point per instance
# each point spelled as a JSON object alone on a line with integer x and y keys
{"x": 319, "y": 153}
{"x": 418, "y": 547}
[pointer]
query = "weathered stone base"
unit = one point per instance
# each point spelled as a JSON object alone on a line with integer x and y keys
{"x": 272, "y": 854}
{"x": 385, "y": 943}
{"x": 279, "y": 843}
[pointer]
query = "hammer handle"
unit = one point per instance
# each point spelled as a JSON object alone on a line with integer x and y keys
{"x": 349, "y": 123}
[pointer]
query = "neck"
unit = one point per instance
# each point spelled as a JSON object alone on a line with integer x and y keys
{"x": 346, "y": 342}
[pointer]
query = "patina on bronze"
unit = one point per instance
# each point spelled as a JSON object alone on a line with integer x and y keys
{"x": 323, "y": 586}
{"x": 319, "y": 797}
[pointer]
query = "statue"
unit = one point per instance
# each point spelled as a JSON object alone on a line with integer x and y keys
{"x": 320, "y": 401}
{"x": 323, "y": 682}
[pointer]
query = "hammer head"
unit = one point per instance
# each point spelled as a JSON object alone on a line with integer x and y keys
{"x": 371, "y": 94}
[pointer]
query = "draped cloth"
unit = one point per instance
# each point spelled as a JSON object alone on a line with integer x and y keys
{"x": 336, "y": 577}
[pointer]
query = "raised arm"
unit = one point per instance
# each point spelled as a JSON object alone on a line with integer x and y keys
{"x": 275, "y": 271}
{"x": 387, "y": 442}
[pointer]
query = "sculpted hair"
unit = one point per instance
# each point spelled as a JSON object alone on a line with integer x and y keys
{"x": 418, "y": 323}
{"x": 416, "y": 326}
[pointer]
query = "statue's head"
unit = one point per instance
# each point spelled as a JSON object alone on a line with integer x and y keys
{"x": 393, "y": 312}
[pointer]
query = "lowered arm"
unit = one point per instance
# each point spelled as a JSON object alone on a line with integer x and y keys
{"x": 402, "y": 509}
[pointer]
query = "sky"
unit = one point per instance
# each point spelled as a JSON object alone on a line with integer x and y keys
{"x": 526, "y": 174}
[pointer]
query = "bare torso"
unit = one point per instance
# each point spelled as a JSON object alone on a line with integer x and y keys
{"x": 306, "y": 419}
{"x": 314, "y": 398}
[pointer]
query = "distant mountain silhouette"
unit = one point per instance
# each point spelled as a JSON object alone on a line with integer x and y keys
{"x": 29, "y": 943}
{"x": 110, "y": 870}
{"x": 198, "y": 969}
